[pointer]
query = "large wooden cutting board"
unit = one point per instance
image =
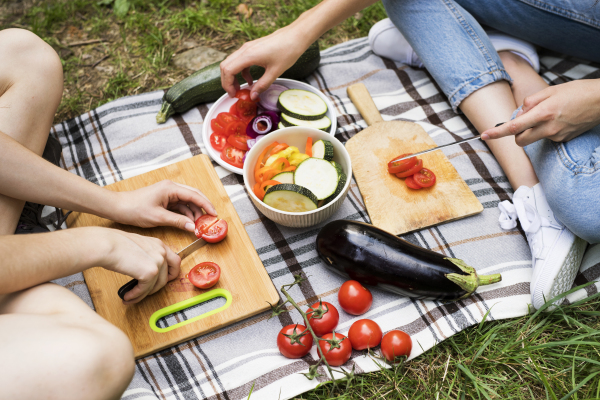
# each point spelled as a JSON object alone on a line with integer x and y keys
{"x": 243, "y": 273}
{"x": 391, "y": 205}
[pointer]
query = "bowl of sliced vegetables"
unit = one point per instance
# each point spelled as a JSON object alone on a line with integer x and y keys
{"x": 298, "y": 176}
{"x": 234, "y": 125}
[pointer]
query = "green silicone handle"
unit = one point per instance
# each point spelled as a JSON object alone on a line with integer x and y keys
{"x": 182, "y": 305}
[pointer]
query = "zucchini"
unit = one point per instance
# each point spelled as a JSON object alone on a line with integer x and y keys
{"x": 204, "y": 86}
{"x": 338, "y": 190}
{"x": 290, "y": 197}
{"x": 323, "y": 124}
{"x": 302, "y": 104}
{"x": 318, "y": 176}
{"x": 282, "y": 177}
{"x": 338, "y": 167}
{"x": 280, "y": 125}
{"x": 323, "y": 149}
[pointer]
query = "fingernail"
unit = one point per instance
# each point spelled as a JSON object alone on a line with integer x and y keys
{"x": 189, "y": 227}
{"x": 484, "y": 136}
{"x": 253, "y": 96}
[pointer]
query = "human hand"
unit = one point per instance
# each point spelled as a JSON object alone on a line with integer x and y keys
{"x": 275, "y": 53}
{"x": 559, "y": 113}
{"x": 146, "y": 259}
{"x": 165, "y": 203}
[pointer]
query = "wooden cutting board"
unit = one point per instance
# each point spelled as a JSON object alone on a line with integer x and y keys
{"x": 242, "y": 272}
{"x": 391, "y": 205}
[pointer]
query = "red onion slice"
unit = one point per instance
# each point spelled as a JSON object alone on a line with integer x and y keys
{"x": 262, "y": 124}
{"x": 269, "y": 98}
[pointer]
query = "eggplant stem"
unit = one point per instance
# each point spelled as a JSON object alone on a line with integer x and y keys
{"x": 166, "y": 110}
{"x": 489, "y": 279}
{"x": 469, "y": 283}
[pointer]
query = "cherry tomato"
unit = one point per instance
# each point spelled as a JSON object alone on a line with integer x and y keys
{"x": 239, "y": 142}
{"x": 411, "y": 171}
{"x": 218, "y": 141}
{"x": 205, "y": 275}
{"x": 233, "y": 109}
{"x": 246, "y": 109}
{"x": 354, "y": 298}
{"x": 395, "y": 344}
{"x": 424, "y": 178}
{"x": 243, "y": 94}
{"x": 296, "y": 346}
{"x": 324, "y": 319}
{"x": 217, "y": 127}
{"x": 235, "y": 128}
{"x": 216, "y": 232}
{"x": 364, "y": 333}
{"x": 401, "y": 166}
{"x": 203, "y": 223}
{"x": 233, "y": 156}
{"x": 226, "y": 118}
{"x": 410, "y": 182}
{"x": 336, "y": 356}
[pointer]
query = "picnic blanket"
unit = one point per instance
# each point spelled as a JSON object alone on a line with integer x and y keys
{"x": 121, "y": 139}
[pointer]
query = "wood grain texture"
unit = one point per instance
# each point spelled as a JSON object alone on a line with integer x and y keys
{"x": 360, "y": 96}
{"x": 391, "y": 205}
{"x": 243, "y": 273}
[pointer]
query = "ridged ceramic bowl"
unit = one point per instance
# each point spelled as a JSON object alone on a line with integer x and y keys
{"x": 296, "y": 136}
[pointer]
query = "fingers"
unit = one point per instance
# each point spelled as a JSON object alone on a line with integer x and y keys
{"x": 518, "y": 125}
{"x": 196, "y": 197}
{"x": 196, "y": 210}
{"x": 263, "y": 84}
{"x": 173, "y": 264}
{"x": 183, "y": 209}
{"x": 233, "y": 65}
{"x": 170, "y": 218}
{"x": 246, "y": 75}
{"x": 531, "y": 101}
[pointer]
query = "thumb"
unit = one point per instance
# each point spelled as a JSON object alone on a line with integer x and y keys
{"x": 531, "y": 101}
{"x": 263, "y": 84}
{"x": 169, "y": 218}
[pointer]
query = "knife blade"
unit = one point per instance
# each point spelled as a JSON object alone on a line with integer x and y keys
{"x": 183, "y": 253}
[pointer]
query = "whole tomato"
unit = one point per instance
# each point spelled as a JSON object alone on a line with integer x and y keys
{"x": 323, "y": 317}
{"x": 364, "y": 333}
{"x": 354, "y": 298}
{"x": 396, "y": 344}
{"x": 338, "y": 352}
{"x": 294, "y": 341}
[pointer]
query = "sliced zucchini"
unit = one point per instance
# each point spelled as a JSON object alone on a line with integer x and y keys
{"x": 302, "y": 104}
{"x": 290, "y": 197}
{"x": 280, "y": 125}
{"x": 318, "y": 176}
{"x": 323, "y": 149}
{"x": 282, "y": 177}
{"x": 338, "y": 167}
{"x": 338, "y": 190}
{"x": 323, "y": 124}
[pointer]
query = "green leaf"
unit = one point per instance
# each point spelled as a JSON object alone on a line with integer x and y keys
{"x": 121, "y": 8}
{"x": 105, "y": 2}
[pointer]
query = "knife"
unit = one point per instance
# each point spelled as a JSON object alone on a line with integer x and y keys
{"x": 186, "y": 251}
{"x": 439, "y": 147}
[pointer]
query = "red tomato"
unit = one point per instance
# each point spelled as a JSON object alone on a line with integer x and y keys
{"x": 364, "y": 334}
{"x": 233, "y": 156}
{"x": 396, "y": 344}
{"x": 243, "y": 94}
{"x": 354, "y": 298}
{"x": 424, "y": 178}
{"x": 203, "y": 223}
{"x": 336, "y": 356}
{"x": 218, "y": 141}
{"x": 226, "y": 118}
{"x": 246, "y": 109}
{"x": 217, "y": 127}
{"x": 410, "y": 182}
{"x": 239, "y": 142}
{"x": 216, "y": 232}
{"x": 324, "y": 318}
{"x": 401, "y": 166}
{"x": 205, "y": 275}
{"x": 233, "y": 109}
{"x": 236, "y": 128}
{"x": 411, "y": 171}
{"x": 296, "y": 346}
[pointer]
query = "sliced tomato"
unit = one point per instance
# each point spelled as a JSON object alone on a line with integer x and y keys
{"x": 233, "y": 109}
{"x": 203, "y": 223}
{"x": 236, "y": 128}
{"x": 246, "y": 109}
{"x": 205, "y": 275}
{"x": 233, "y": 156}
{"x": 226, "y": 118}
{"x": 400, "y": 166}
{"x": 217, "y": 127}
{"x": 216, "y": 232}
{"x": 411, "y": 171}
{"x": 410, "y": 182}
{"x": 218, "y": 141}
{"x": 243, "y": 94}
{"x": 424, "y": 178}
{"x": 239, "y": 142}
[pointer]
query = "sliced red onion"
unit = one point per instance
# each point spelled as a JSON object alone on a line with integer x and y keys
{"x": 262, "y": 124}
{"x": 268, "y": 98}
{"x": 250, "y": 143}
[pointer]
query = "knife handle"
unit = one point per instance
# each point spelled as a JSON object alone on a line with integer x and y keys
{"x": 363, "y": 102}
{"x": 126, "y": 288}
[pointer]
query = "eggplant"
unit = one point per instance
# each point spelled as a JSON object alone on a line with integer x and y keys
{"x": 375, "y": 257}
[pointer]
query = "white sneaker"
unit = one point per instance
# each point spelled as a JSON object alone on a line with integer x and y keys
{"x": 387, "y": 41}
{"x": 556, "y": 252}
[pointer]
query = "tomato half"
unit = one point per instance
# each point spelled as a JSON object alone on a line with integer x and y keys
{"x": 239, "y": 142}
{"x": 243, "y": 94}
{"x": 233, "y": 156}
{"x": 324, "y": 318}
{"x": 396, "y": 344}
{"x": 301, "y": 338}
{"x": 217, "y": 127}
{"x": 203, "y": 223}
{"x": 205, "y": 275}
{"x": 233, "y": 109}
{"x": 400, "y": 166}
{"x": 364, "y": 334}
{"x": 216, "y": 232}
{"x": 218, "y": 141}
{"x": 411, "y": 171}
{"x": 424, "y": 178}
{"x": 354, "y": 298}
{"x": 226, "y": 118}
{"x": 235, "y": 128}
{"x": 336, "y": 356}
{"x": 246, "y": 109}
{"x": 410, "y": 182}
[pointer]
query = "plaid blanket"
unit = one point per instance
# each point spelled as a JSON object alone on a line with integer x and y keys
{"x": 121, "y": 139}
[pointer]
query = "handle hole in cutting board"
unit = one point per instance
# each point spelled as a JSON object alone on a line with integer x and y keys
{"x": 191, "y": 312}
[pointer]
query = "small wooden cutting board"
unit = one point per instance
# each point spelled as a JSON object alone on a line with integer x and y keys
{"x": 391, "y": 205}
{"x": 242, "y": 272}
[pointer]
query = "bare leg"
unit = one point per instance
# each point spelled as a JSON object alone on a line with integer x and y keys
{"x": 31, "y": 84}
{"x": 48, "y": 333}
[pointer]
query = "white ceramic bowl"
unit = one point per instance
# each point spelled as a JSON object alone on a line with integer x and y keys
{"x": 225, "y": 102}
{"x": 296, "y": 136}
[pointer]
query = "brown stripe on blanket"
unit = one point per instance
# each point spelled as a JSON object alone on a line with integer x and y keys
{"x": 323, "y": 88}
{"x": 362, "y": 78}
{"x": 433, "y": 319}
{"x": 204, "y": 370}
{"x": 102, "y": 152}
{"x": 156, "y": 385}
{"x": 187, "y": 135}
{"x": 474, "y": 239}
{"x": 462, "y": 153}
{"x": 73, "y": 284}
{"x": 203, "y": 109}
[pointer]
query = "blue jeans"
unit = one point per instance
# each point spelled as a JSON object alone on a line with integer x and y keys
{"x": 448, "y": 37}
